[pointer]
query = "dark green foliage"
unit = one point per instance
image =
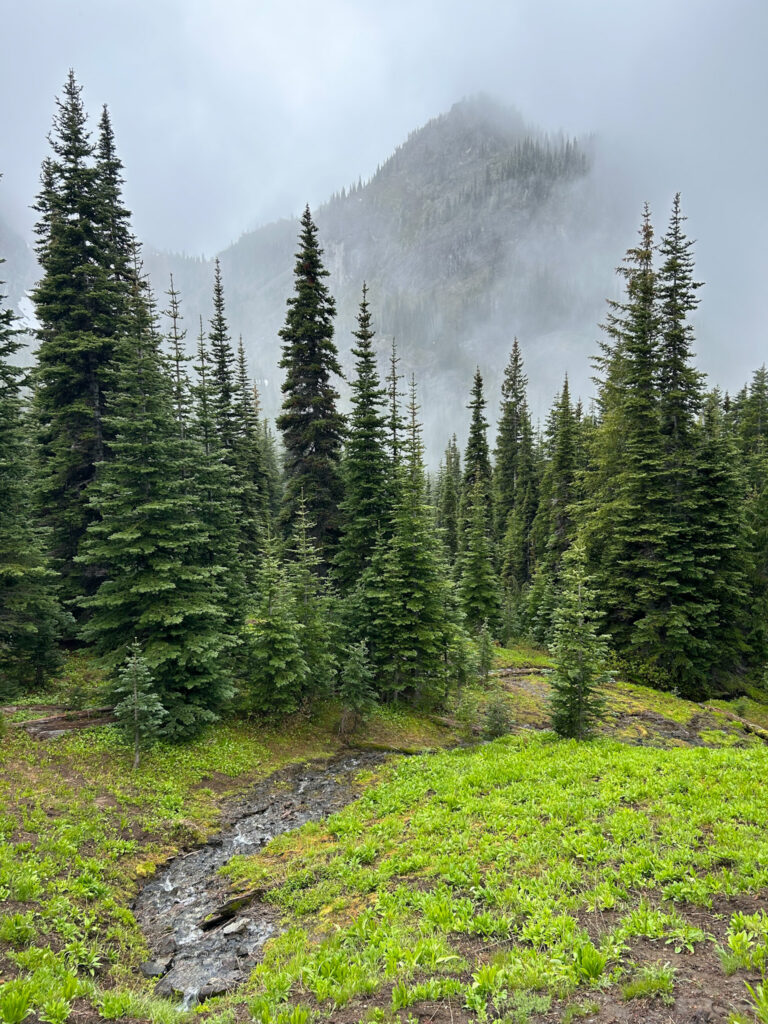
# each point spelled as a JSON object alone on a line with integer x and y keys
{"x": 139, "y": 713}
{"x": 478, "y": 582}
{"x": 497, "y": 720}
{"x": 276, "y": 671}
{"x": 514, "y": 483}
{"x": 477, "y": 460}
{"x": 221, "y": 379}
{"x": 81, "y": 302}
{"x": 313, "y": 608}
{"x": 250, "y": 470}
{"x": 580, "y": 655}
{"x": 30, "y": 618}
{"x": 217, "y": 494}
{"x": 355, "y": 689}
{"x": 396, "y": 423}
{"x": 365, "y": 465}
{"x": 404, "y": 604}
{"x": 161, "y": 587}
{"x": 182, "y": 388}
{"x": 554, "y": 527}
{"x": 310, "y": 423}
{"x": 449, "y": 499}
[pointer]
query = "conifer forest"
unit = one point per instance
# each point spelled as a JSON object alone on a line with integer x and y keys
{"x": 199, "y": 594}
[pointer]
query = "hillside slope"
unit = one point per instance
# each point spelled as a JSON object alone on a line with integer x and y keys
{"x": 477, "y": 229}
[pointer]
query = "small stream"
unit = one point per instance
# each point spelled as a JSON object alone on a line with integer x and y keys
{"x": 203, "y": 941}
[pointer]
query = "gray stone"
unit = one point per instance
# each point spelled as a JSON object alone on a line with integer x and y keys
{"x": 235, "y": 928}
{"x": 156, "y": 968}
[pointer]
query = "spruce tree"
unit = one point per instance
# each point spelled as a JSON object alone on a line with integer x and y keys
{"x": 251, "y": 472}
{"x": 404, "y": 603}
{"x": 449, "y": 499}
{"x": 139, "y": 713}
{"x": 152, "y": 544}
{"x": 80, "y": 302}
{"x": 216, "y": 492}
{"x": 395, "y": 423}
{"x": 478, "y": 582}
{"x": 580, "y": 655}
{"x": 477, "y": 460}
{"x": 222, "y": 370}
{"x": 276, "y": 671}
{"x": 513, "y": 463}
{"x": 313, "y": 608}
{"x": 365, "y": 465}
{"x": 311, "y": 425}
{"x": 182, "y": 388}
{"x": 30, "y": 618}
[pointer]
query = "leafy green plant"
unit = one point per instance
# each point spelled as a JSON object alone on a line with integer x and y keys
{"x": 18, "y": 929}
{"x": 55, "y": 1010}
{"x": 759, "y": 1001}
{"x": 15, "y": 1002}
{"x": 652, "y": 980}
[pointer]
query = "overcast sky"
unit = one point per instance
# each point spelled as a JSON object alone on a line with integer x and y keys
{"x": 229, "y": 113}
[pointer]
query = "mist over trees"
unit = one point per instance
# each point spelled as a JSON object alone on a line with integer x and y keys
{"x": 149, "y": 514}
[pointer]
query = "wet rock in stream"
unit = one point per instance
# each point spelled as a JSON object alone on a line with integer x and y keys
{"x": 204, "y": 941}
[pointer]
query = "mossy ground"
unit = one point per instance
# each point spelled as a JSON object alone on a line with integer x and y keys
{"x": 527, "y": 879}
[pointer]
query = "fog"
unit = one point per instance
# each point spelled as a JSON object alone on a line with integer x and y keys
{"x": 229, "y": 114}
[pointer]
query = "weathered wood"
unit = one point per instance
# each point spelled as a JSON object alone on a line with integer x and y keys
{"x": 746, "y": 725}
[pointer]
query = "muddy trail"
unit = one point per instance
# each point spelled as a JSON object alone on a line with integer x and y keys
{"x": 203, "y": 940}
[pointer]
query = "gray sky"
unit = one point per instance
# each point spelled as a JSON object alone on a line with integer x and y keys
{"x": 228, "y": 113}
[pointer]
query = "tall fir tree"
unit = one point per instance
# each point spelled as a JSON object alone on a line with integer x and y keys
{"x": 311, "y": 425}
{"x": 478, "y": 580}
{"x": 31, "y": 620}
{"x": 80, "y": 301}
{"x": 477, "y": 459}
{"x": 178, "y": 359}
{"x": 254, "y": 516}
{"x": 395, "y": 422}
{"x": 365, "y": 465}
{"x": 449, "y": 499}
{"x": 222, "y": 371}
{"x": 149, "y": 538}
{"x": 404, "y": 602}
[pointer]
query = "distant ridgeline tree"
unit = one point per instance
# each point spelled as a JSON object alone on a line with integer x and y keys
{"x": 448, "y": 499}
{"x": 81, "y": 301}
{"x": 311, "y": 425}
{"x": 30, "y": 617}
{"x": 160, "y": 588}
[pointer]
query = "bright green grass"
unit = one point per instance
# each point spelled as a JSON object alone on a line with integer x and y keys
{"x": 511, "y": 841}
{"x": 521, "y": 656}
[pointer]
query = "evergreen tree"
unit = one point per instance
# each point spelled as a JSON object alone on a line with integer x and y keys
{"x": 276, "y": 671}
{"x": 139, "y": 714}
{"x": 222, "y": 371}
{"x": 404, "y": 602}
{"x": 80, "y": 302}
{"x": 365, "y": 466}
{"x": 217, "y": 494}
{"x": 626, "y": 527}
{"x": 182, "y": 393}
{"x": 250, "y": 469}
{"x": 553, "y": 527}
{"x": 313, "y": 608}
{"x": 477, "y": 460}
{"x": 30, "y": 618}
{"x": 113, "y": 219}
{"x": 396, "y": 423}
{"x": 310, "y": 423}
{"x": 580, "y": 655}
{"x": 478, "y": 583}
{"x": 449, "y": 499}
{"x": 355, "y": 691}
{"x": 148, "y": 536}
{"x": 513, "y": 464}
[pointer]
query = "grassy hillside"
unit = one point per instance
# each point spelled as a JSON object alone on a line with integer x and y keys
{"x": 525, "y": 879}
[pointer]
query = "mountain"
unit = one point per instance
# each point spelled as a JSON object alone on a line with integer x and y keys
{"x": 478, "y": 228}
